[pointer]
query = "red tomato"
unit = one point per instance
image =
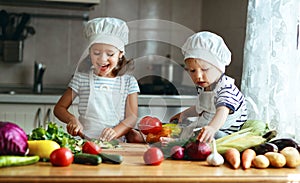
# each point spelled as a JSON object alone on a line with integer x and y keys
{"x": 61, "y": 157}
{"x": 150, "y": 124}
{"x": 153, "y": 156}
{"x": 91, "y": 148}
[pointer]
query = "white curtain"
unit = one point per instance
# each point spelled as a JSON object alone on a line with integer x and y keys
{"x": 272, "y": 64}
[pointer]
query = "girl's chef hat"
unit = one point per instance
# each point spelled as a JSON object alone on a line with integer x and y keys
{"x": 110, "y": 31}
{"x": 107, "y": 30}
{"x": 209, "y": 47}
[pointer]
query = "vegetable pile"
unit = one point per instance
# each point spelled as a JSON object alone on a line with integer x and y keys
{"x": 50, "y": 144}
{"x": 153, "y": 128}
{"x": 247, "y": 148}
{"x": 58, "y": 134}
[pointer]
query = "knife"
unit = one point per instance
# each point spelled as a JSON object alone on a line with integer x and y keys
{"x": 82, "y": 135}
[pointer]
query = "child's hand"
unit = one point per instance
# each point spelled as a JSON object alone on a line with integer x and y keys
{"x": 206, "y": 134}
{"x": 165, "y": 140}
{"x": 108, "y": 134}
{"x": 74, "y": 127}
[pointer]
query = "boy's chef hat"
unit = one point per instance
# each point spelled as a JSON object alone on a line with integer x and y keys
{"x": 209, "y": 47}
{"x": 107, "y": 30}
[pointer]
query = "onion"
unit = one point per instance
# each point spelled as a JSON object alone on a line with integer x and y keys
{"x": 197, "y": 151}
{"x": 13, "y": 139}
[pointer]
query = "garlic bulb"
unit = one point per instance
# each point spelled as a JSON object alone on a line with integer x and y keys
{"x": 215, "y": 159}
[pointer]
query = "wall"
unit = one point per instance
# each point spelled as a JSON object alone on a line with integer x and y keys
{"x": 58, "y": 42}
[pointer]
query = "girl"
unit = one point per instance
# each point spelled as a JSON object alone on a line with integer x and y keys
{"x": 220, "y": 107}
{"x": 108, "y": 98}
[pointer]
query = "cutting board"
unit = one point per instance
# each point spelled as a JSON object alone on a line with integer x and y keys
{"x": 128, "y": 149}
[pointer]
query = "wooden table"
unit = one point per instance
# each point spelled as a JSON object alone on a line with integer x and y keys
{"x": 133, "y": 169}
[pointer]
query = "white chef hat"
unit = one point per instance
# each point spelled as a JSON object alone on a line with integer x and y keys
{"x": 209, "y": 47}
{"x": 107, "y": 30}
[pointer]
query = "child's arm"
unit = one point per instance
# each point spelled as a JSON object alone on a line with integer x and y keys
{"x": 128, "y": 123}
{"x": 207, "y": 132}
{"x": 62, "y": 113}
{"x": 189, "y": 112}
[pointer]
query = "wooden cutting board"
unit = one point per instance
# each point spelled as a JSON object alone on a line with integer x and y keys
{"x": 128, "y": 149}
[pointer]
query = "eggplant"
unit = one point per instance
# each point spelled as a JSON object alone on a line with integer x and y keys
{"x": 285, "y": 142}
{"x": 265, "y": 147}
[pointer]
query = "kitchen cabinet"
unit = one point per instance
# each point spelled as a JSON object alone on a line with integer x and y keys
{"x": 30, "y": 116}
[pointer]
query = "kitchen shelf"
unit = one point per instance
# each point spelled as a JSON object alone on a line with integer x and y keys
{"x": 56, "y": 4}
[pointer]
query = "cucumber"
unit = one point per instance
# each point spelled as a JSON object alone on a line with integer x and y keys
{"x": 111, "y": 158}
{"x": 12, "y": 160}
{"x": 85, "y": 158}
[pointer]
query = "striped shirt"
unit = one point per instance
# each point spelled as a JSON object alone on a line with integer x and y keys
{"x": 227, "y": 94}
{"x": 80, "y": 85}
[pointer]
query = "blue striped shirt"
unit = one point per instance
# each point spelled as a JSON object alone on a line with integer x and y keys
{"x": 227, "y": 94}
{"x": 80, "y": 85}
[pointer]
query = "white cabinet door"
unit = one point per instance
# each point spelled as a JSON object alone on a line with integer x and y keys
{"x": 26, "y": 116}
{"x": 30, "y": 116}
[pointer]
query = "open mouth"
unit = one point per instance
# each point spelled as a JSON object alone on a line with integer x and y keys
{"x": 103, "y": 67}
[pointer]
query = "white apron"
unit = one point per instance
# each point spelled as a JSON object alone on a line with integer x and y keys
{"x": 104, "y": 108}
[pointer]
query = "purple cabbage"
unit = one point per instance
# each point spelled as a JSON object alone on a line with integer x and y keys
{"x": 13, "y": 139}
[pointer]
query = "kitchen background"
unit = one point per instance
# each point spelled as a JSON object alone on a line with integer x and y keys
{"x": 154, "y": 44}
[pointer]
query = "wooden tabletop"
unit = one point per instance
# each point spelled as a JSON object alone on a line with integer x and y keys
{"x": 133, "y": 169}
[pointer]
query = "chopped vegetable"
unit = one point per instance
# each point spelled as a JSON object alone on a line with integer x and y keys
{"x": 12, "y": 160}
{"x": 232, "y": 156}
{"x": 247, "y": 156}
{"x": 13, "y": 139}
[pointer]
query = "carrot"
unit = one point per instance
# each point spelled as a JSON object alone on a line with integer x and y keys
{"x": 247, "y": 156}
{"x": 233, "y": 157}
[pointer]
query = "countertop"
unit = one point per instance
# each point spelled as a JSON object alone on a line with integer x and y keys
{"x": 144, "y": 100}
{"x": 133, "y": 169}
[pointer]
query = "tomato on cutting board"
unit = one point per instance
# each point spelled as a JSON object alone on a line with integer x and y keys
{"x": 153, "y": 156}
{"x": 61, "y": 157}
{"x": 91, "y": 148}
{"x": 150, "y": 124}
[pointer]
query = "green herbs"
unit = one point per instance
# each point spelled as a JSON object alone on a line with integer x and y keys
{"x": 57, "y": 134}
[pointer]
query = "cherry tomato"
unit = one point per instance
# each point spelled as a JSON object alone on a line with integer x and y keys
{"x": 153, "y": 156}
{"x": 61, "y": 157}
{"x": 150, "y": 124}
{"x": 91, "y": 148}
